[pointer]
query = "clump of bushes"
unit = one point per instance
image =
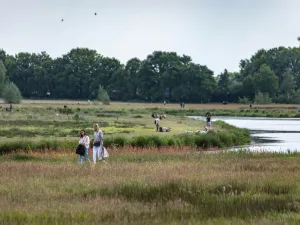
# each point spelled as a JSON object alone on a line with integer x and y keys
{"x": 221, "y": 139}
{"x": 65, "y": 110}
{"x": 36, "y": 145}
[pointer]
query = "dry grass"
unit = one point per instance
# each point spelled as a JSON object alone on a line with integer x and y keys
{"x": 129, "y": 105}
{"x": 150, "y": 187}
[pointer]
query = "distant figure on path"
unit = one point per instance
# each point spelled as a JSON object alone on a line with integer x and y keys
{"x": 98, "y": 143}
{"x": 165, "y": 103}
{"x": 250, "y": 106}
{"x": 85, "y": 141}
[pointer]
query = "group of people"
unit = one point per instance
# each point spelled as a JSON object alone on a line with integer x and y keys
{"x": 157, "y": 120}
{"x": 8, "y": 109}
{"x": 98, "y": 149}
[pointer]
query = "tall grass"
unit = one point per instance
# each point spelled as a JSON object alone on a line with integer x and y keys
{"x": 185, "y": 188}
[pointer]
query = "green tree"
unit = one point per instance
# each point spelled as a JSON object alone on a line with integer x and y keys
{"x": 11, "y": 93}
{"x": 2, "y": 77}
{"x": 103, "y": 96}
{"x": 2, "y": 55}
{"x": 223, "y": 81}
{"x": 265, "y": 80}
{"x": 287, "y": 86}
{"x": 296, "y": 97}
{"x": 248, "y": 88}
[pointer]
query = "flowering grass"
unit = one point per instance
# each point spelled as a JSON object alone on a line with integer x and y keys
{"x": 151, "y": 186}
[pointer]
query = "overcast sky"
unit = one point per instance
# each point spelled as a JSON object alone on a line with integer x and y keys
{"x": 216, "y": 33}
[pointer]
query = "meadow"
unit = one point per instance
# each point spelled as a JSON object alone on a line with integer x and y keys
{"x": 150, "y": 177}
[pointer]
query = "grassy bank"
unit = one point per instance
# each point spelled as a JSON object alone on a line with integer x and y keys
{"x": 227, "y": 137}
{"x": 151, "y": 186}
{"x": 48, "y": 125}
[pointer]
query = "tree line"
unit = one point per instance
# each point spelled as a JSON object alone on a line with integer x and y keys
{"x": 268, "y": 76}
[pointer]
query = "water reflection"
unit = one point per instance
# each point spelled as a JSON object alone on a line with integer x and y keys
{"x": 268, "y": 134}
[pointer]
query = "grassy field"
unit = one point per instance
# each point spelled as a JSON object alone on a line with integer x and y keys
{"x": 150, "y": 177}
{"x": 152, "y": 186}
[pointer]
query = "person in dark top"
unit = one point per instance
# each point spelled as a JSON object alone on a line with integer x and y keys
{"x": 208, "y": 121}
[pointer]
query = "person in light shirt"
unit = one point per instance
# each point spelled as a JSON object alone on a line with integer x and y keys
{"x": 85, "y": 141}
{"x": 98, "y": 144}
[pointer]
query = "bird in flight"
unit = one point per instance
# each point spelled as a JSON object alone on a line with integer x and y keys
{"x": 95, "y": 14}
{"x": 62, "y": 20}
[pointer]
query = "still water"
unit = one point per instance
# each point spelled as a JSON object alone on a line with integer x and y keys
{"x": 268, "y": 134}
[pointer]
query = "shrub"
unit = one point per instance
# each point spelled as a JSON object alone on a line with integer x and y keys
{"x": 65, "y": 110}
{"x": 244, "y": 100}
{"x": 103, "y": 96}
{"x": 262, "y": 98}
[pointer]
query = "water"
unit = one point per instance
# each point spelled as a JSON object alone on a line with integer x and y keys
{"x": 267, "y": 134}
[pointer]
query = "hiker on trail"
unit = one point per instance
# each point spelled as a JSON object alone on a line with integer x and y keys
{"x": 98, "y": 144}
{"x": 208, "y": 122}
{"x": 85, "y": 142}
{"x": 156, "y": 122}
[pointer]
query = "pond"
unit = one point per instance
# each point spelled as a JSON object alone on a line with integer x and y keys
{"x": 267, "y": 134}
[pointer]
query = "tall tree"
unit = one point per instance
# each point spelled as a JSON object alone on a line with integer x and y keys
{"x": 288, "y": 85}
{"x": 2, "y": 77}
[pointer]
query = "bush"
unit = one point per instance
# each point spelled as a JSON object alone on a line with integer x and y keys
{"x": 65, "y": 110}
{"x": 103, "y": 96}
{"x": 262, "y": 98}
{"x": 244, "y": 100}
{"x": 36, "y": 146}
{"x": 11, "y": 94}
{"x": 76, "y": 117}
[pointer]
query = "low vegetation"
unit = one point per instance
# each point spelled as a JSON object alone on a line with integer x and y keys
{"x": 152, "y": 186}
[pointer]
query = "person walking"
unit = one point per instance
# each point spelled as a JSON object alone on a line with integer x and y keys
{"x": 156, "y": 122}
{"x": 85, "y": 142}
{"x": 208, "y": 121}
{"x": 98, "y": 144}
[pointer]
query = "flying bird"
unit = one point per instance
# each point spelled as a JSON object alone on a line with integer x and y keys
{"x": 62, "y": 20}
{"x": 95, "y": 14}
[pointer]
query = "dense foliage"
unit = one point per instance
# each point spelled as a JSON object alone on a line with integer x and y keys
{"x": 271, "y": 75}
